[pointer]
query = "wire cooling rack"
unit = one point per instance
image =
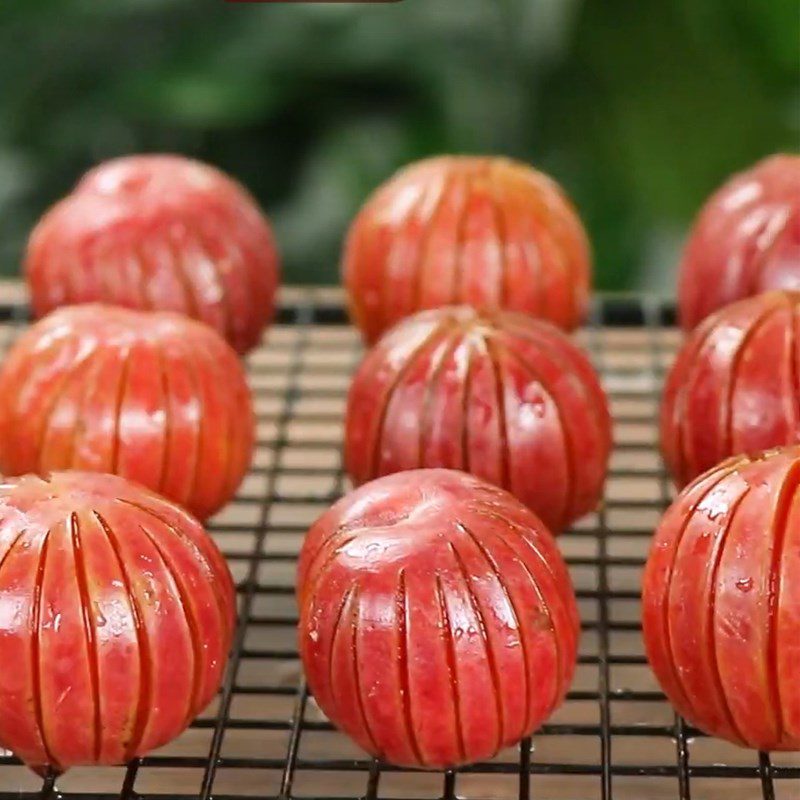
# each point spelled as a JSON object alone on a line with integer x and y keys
{"x": 264, "y": 737}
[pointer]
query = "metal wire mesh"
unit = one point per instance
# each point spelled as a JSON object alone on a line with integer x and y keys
{"x": 615, "y": 737}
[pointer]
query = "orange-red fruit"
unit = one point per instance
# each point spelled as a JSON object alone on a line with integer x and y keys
{"x": 746, "y": 240}
{"x": 151, "y": 396}
{"x": 159, "y": 232}
{"x": 506, "y": 397}
{"x": 734, "y": 386}
{"x": 721, "y": 601}
{"x": 438, "y": 624}
{"x": 486, "y": 232}
{"x": 117, "y": 616}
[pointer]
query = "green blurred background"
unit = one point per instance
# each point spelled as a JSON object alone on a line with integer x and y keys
{"x": 639, "y": 107}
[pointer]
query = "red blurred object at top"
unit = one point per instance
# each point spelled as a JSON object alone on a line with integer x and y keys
{"x": 159, "y": 232}
{"x": 486, "y": 232}
{"x": 118, "y": 611}
{"x": 506, "y": 397}
{"x": 745, "y": 241}
{"x": 734, "y": 385}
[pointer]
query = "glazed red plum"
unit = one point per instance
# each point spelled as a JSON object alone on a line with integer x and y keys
{"x": 721, "y": 601}
{"x": 152, "y": 396}
{"x": 746, "y": 240}
{"x": 159, "y": 232}
{"x": 485, "y": 232}
{"x": 506, "y": 397}
{"x": 119, "y": 613}
{"x": 438, "y": 624}
{"x": 734, "y": 386}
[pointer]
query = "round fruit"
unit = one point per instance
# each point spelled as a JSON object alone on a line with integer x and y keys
{"x": 721, "y": 601}
{"x": 734, "y": 386}
{"x": 151, "y": 396}
{"x": 486, "y": 232}
{"x": 117, "y": 615}
{"x": 506, "y": 397}
{"x": 159, "y": 232}
{"x": 746, "y": 240}
{"x": 438, "y": 624}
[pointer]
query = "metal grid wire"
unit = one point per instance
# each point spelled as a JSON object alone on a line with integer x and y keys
{"x": 615, "y": 737}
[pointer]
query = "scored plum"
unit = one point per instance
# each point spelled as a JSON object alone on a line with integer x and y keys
{"x": 487, "y": 232}
{"x": 746, "y": 240}
{"x": 152, "y": 396}
{"x": 734, "y": 385}
{"x": 506, "y": 397}
{"x": 438, "y": 624}
{"x": 118, "y": 613}
{"x": 159, "y": 232}
{"x": 721, "y": 601}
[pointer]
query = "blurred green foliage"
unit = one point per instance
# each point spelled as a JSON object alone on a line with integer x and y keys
{"x": 639, "y": 107}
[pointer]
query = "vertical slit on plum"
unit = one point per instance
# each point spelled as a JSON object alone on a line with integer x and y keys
{"x": 401, "y": 609}
{"x": 425, "y": 422}
{"x": 711, "y": 613}
{"x": 465, "y": 403}
{"x": 91, "y": 376}
{"x": 193, "y": 308}
{"x": 557, "y": 643}
{"x": 332, "y": 651}
{"x": 195, "y": 636}
{"x": 227, "y": 437}
{"x": 138, "y": 261}
{"x": 191, "y": 368}
{"x": 752, "y": 331}
{"x": 232, "y": 420}
{"x": 499, "y": 224}
{"x": 679, "y": 427}
{"x": 487, "y": 645}
{"x": 36, "y": 662}
{"x": 533, "y": 335}
{"x": 167, "y": 406}
{"x": 88, "y": 629}
{"x": 318, "y": 571}
{"x": 234, "y": 246}
{"x": 377, "y": 443}
{"x": 457, "y": 290}
{"x": 197, "y": 553}
{"x": 666, "y": 634}
{"x": 430, "y": 227}
{"x": 68, "y": 377}
{"x": 569, "y": 445}
{"x": 399, "y": 239}
{"x": 142, "y": 647}
{"x": 362, "y": 710}
{"x": 500, "y": 401}
{"x": 495, "y": 569}
{"x": 13, "y": 544}
{"x": 120, "y": 398}
{"x": 450, "y": 650}
{"x": 788, "y": 494}
{"x": 202, "y": 244}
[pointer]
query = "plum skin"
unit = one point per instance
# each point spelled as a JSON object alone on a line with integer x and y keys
{"x": 506, "y": 397}
{"x": 438, "y": 623}
{"x": 151, "y": 396}
{"x": 481, "y": 231}
{"x": 159, "y": 232}
{"x": 123, "y": 615}
{"x": 721, "y": 601}
{"x": 733, "y": 387}
{"x": 746, "y": 240}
